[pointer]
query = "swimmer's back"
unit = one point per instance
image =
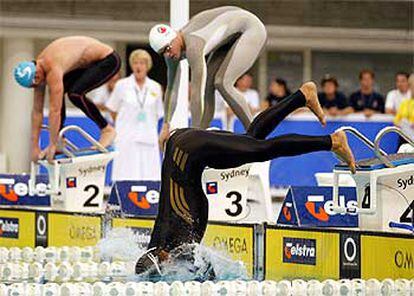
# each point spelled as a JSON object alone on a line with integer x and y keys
{"x": 211, "y": 29}
{"x": 221, "y": 16}
{"x": 74, "y": 52}
{"x": 201, "y": 19}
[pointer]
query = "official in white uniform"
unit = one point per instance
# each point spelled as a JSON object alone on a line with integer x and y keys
{"x": 137, "y": 105}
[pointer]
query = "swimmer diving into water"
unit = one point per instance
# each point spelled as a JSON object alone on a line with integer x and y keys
{"x": 183, "y": 208}
{"x": 73, "y": 65}
{"x": 220, "y": 45}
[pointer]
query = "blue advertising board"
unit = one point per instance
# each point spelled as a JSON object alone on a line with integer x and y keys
{"x": 313, "y": 206}
{"x": 136, "y": 198}
{"x": 15, "y": 191}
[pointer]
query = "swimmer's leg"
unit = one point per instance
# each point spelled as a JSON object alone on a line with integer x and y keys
{"x": 91, "y": 78}
{"x": 214, "y": 62}
{"x": 266, "y": 121}
{"x": 68, "y": 81}
{"x": 88, "y": 108}
{"x": 227, "y": 151}
{"x": 238, "y": 61}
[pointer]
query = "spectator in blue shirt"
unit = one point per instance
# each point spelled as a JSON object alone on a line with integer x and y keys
{"x": 333, "y": 101}
{"x": 278, "y": 90}
{"x": 366, "y": 100}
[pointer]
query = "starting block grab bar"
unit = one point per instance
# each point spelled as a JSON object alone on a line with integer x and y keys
{"x": 70, "y": 149}
{"x": 379, "y": 137}
{"x": 337, "y": 207}
{"x": 364, "y": 139}
{"x": 366, "y": 180}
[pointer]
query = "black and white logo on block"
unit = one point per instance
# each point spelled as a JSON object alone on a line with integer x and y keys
{"x": 350, "y": 252}
{"x": 9, "y": 227}
{"x": 41, "y": 229}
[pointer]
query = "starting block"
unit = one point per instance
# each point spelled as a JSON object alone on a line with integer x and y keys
{"x": 384, "y": 184}
{"x": 76, "y": 177}
{"x": 239, "y": 194}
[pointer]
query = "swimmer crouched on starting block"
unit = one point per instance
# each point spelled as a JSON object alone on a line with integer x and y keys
{"x": 73, "y": 65}
{"x": 220, "y": 45}
{"x": 183, "y": 208}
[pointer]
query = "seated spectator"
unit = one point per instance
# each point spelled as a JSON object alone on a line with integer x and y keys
{"x": 278, "y": 90}
{"x": 405, "y": 113}
{"x": 366, "y": 100}
{"x": 396, "y": 96}
{"x": 244, "y": 85}
{"x": 332, "y": 101}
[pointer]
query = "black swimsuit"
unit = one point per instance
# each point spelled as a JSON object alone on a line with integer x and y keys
{"x": 183, "y": 208}
{"x": 80, "y": 81}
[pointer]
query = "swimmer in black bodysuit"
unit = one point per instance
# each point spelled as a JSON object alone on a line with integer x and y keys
{"x": 183, "y": 208}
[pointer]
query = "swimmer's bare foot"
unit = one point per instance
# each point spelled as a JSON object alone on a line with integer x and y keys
{"x": 342, "y": 150}
{"x": 309, "y": 90}
{"x": 107, "y": 136}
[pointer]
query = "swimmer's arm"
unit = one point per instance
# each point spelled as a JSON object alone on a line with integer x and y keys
{"x": 171, "y": 93}
{"x": 55, "y": 82}
{"x": 37, "y": 114}
{"x": 198, "y": 80}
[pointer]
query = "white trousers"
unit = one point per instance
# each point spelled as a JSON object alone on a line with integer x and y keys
{"x": 136, "y": 161}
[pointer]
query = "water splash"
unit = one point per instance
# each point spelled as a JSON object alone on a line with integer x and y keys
{"x": 120, "y": 244}
{"x": 190, "y": 262}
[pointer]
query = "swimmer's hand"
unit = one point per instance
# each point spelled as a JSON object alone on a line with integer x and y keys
{"x": 48, "y": 153}
{"x": 35, "y": 153}
{"x": 164, "y": 135}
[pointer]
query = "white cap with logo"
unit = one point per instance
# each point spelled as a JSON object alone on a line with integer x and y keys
{"x": 160, "y": 36}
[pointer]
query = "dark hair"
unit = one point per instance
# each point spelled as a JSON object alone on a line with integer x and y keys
{"x": 244, "y": 74}
{"x": 402, "y": 73}
{"x": 329, "y": 78}
{"x": 366, "y": 71}
{"x": 283, "y": 83}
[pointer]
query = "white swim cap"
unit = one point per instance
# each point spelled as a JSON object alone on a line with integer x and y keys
{"x": 160, "y": 36}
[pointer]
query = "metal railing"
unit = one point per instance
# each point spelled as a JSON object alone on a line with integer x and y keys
{"x": 69, "y": 149}
{"x": 379, "y": 137}
{"x": 363, "y": 138}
